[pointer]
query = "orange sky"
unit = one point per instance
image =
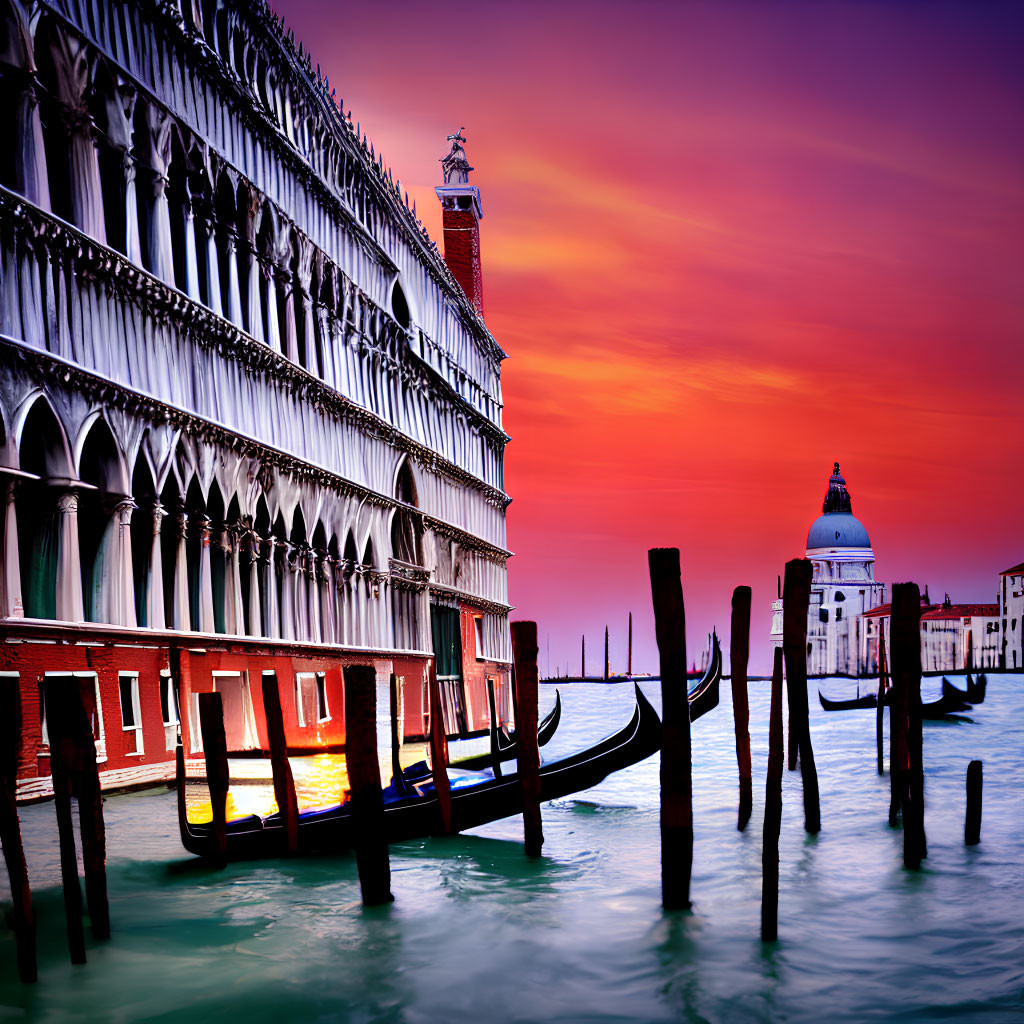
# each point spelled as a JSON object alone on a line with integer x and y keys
{"x": 724, "y": 245}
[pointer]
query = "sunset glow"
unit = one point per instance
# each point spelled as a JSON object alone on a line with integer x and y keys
{"x": 725, "y": 245}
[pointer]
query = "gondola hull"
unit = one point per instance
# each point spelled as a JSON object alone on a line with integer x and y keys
{"x": 419, "y": 816}
{"x": 867, "y": 700}
{"x": 508, "y": 746}
{"x": 704, "y": 696}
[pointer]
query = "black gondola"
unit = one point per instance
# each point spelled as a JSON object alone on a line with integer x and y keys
{"x": 867, "y": 700}
{"x": 408, "y": 817}
{"x": 976, "y": 690}
{"x": 508, "y": 746}
{"x": 952, "y": 694}
{"x": 704, "y": 696}
{"x": 947, "y": 704}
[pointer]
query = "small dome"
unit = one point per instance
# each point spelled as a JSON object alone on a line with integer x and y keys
{"x": 837, "y": 530}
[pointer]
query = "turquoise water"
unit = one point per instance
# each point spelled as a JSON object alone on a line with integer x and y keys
{"x": 479, "y": 933}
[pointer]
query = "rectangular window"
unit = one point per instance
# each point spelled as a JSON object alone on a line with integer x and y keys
{"x": 169, "y": 711}
{"x": 194, "y": 729}
{"x": 95, "y": 717}
{"x": 321, "y": 697}
{"x": 311, "y": 698}
{"x": 478, "y": 628}
{"x": 131, "y": 713}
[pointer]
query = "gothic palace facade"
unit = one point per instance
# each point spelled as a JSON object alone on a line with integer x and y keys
{"x": 250, "y": 420}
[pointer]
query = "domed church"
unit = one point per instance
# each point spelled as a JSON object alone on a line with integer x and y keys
{"x": 843, "y": 586}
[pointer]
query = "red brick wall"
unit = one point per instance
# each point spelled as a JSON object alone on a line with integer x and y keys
{"x": 462, "y": 253}
{"x": 150, "y": 656}
{"x": 475, "y": 673}
{"x": 33, "y": 660}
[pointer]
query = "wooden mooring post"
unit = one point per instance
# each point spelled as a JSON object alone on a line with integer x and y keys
{"x": 972, "y": 822}
{"x": 69, "y": 702}
{"x": 367, "y": 800}
{"x": 524, "y": 657}
{"x": 676, "y": 780}
{"x": 739, "y": 654}
{"x": 218, "y": 775}
{"x": 284, "y": 782}
{"x": 772, "y": 811}
{"x": 796, "y": 594}
{"x": 905, "y": 718}
{"x": 439, "y": 754}
{"x": 880, "y": 709}
{"x": 10, "y": 828}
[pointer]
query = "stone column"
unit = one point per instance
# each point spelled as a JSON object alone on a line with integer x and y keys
{"x": 86, "y": 191}
{"x": 235, "y": 623}
{"x": 272, "y": 332}
{"x": 181, "y": 618}
{"x": 156, "y": 158}
{"x": 271, "y": 611}
{"x": 231, "y": 605}
{"x": 191, "y": 250}
{"x": 118, "y": 577}
{"x": 155, "y": 595}
{"x": 315, "y": 587}
{"x": 69, "y": 563}
{"x": 233, "y": 302}
{"x": 206, "y": 622}
{"x": 329, "y": 592}
{"x": 119, "y": 106}
{"x": 30, "y": 155}
{"x": 288, "y": 588}
{"x": 247, "y": 249}
{"x": 255, "y": 620}
{"x": 207, "y": 252}
{"x": 11, "y": 605}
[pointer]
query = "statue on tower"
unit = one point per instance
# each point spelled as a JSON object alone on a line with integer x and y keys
{"x": 455, "y": 163}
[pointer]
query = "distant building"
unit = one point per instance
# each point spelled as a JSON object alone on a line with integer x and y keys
{"x": 842, "y": 588}
{"x": 1011, "y": 617}
{"x": 958, "y": 636}
{"x": 948, "y": 632}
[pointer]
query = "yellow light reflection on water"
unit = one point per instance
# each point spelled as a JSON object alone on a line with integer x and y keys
{"x": 321, "y": 780}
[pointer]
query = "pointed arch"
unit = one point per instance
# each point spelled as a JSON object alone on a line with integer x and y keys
{"x": 104, "y": 554}
{"x": 406, "y": 526}
{"x": 351, "y": 554}
{"x": 44, "y": 452}
{"x": 143, "y": 537}
{"x": 217, "y": 547}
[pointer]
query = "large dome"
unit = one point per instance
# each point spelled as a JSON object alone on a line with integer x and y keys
{"x": 837, "y": 530}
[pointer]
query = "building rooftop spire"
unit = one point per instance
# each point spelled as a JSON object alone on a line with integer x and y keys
{"x": 837, "y": 497}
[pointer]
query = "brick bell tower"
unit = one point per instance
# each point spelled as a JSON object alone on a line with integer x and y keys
{"x": 461, "y": 213}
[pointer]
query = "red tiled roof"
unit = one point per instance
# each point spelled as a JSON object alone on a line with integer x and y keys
{"x": 879, "y": 611}
{"x": 961, "y": 611}
{"x": 1017, "y": 570}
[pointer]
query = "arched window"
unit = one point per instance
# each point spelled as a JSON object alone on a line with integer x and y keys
{"x": 43, "y": 453}
{"x": 400, "y": 307}
{"x": 406, "y": 529}
{"x": 218, "y": 556}
{"x": 198, "y": 525}
{"x": 144, "y": 493}
{"x": 101, "y": 560}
